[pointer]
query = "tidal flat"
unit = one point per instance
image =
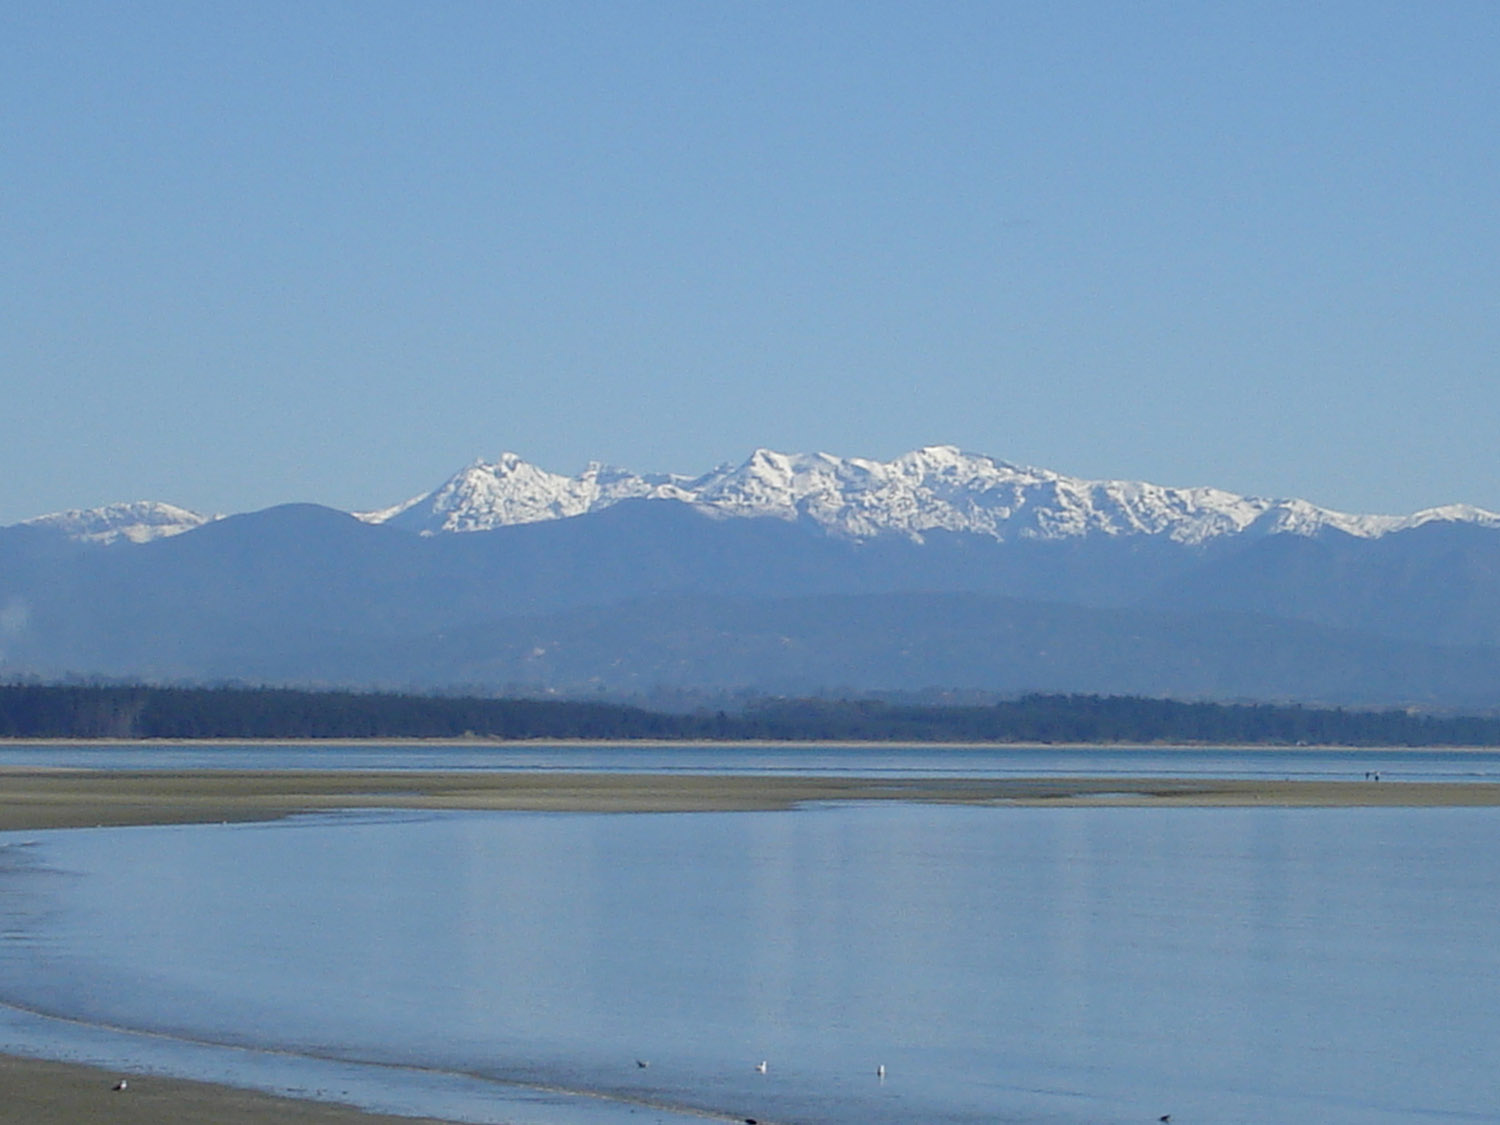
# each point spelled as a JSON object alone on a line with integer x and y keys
{"x": 34, "y": 798}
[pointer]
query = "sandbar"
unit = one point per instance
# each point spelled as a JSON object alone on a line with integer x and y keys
{"x": 38, "y": 797}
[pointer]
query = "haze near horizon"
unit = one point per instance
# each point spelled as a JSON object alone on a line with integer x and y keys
{"x": 332, "y": 254}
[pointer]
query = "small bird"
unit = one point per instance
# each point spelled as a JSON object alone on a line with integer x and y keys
{"x": 761, "y": 1066}
{"x": 120, "y": 1085}
{"x": 643, "y": 1063}
{"x": 1164, "y": 1118}
{"x": 880, "y": 1071}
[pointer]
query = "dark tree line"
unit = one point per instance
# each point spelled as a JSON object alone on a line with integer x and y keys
{"x": 129, "y": 712}
{"x": 1123, "y": 719}
{"x": 133, "y": 712}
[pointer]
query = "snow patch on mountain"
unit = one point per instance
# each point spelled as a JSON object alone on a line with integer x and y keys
{"x": 938, "y": 488}
{"x": 137, "y": 522}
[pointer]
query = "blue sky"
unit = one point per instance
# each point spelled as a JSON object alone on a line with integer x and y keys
{"x": 334, "y": 251}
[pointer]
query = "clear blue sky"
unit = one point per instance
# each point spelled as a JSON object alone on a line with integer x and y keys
{"x": 333, "y": 251}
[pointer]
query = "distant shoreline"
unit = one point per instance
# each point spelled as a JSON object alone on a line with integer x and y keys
{"x": 483, "y": 742}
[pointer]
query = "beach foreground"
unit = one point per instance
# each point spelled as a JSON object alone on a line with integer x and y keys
{"x": 36, "y": 1092}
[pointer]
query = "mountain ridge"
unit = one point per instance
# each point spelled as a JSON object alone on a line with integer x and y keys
{"x": 646, "y": 592}
{"x": 935, "y": 489}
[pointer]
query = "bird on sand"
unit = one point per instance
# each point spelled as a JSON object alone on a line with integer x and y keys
{"x": 120, "y": 1085}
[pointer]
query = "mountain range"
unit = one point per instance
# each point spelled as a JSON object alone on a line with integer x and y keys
{"x": 787, "y": 573}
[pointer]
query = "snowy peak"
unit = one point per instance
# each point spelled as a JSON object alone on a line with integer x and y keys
{"x": 137, "y": 522}
{"x": 508, "y": 491}
{"x": 937, "y": 488}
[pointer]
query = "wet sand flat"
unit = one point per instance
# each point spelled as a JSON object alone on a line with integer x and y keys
{"x": 33, "y": 798}
{"x": 36, "y": 1092}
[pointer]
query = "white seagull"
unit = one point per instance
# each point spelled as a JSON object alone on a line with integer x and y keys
{"x": 761, "y": 1066}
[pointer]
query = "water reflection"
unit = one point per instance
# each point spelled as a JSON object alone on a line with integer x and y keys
{"x": 1061, "y": 965}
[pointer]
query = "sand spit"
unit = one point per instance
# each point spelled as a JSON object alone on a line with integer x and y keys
{"x": 52, "y": 798}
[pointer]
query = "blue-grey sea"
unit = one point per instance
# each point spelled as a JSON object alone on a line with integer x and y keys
{"x": 1037, "y": 965}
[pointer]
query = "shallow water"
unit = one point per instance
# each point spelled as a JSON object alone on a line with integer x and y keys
{"x": 1029, "y": 965}
{"x": 1254, "y": 762}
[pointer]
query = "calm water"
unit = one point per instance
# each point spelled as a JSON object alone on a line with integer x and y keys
{"x": 1030, "y": 965}
{"x": 863, "y": 761}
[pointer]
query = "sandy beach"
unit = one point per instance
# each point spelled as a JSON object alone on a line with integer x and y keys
{"x": 37, "y": 1092}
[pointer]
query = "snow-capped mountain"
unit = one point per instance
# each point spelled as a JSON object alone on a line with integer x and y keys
{"x": 510, "y": 491}
{"x": 939, "y": 488}
{"x": 938, "y": 568}
{"x": 138, "y": 522}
